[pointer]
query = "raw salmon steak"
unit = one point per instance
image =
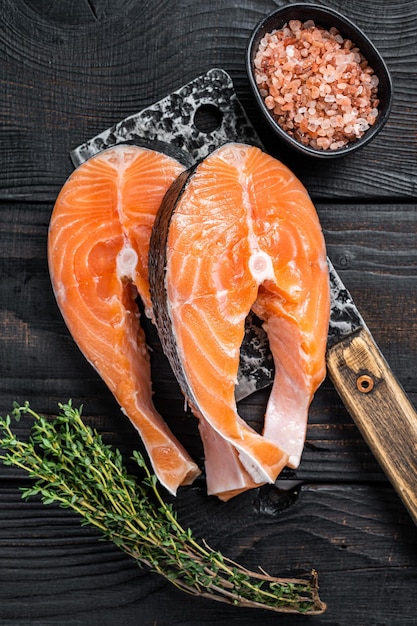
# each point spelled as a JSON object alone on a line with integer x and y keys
{"x": 98, "y": 248}
{"x": 239, "y": 232}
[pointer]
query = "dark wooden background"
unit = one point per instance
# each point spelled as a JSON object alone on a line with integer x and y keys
{"x": 68, "y": 70}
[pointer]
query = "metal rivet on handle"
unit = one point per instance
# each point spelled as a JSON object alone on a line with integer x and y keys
{"x": 364, "y": 383}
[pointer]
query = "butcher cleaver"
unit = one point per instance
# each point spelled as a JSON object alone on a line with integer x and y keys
{"x": 363, "y": 379}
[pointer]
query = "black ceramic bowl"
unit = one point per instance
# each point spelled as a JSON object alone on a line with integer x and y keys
{"x": 326, "y": 18}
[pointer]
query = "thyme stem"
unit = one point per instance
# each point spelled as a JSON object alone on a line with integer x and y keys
{"x": 74, "y": 468}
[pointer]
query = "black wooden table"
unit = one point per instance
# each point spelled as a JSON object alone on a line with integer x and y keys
{"x": 70, "y": 69}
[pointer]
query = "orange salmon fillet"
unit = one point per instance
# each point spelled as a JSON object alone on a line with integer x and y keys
{"x": 243, "y": 234}
{"x": 98, "y": 247}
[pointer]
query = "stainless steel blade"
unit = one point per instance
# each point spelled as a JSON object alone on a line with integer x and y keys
{"x": 190, "y": 123}
{"x": 173, "y": 122}
{"x": 345, "y": 318}
{"x": 361, "y": 376}
{"x": 199, "y": 117}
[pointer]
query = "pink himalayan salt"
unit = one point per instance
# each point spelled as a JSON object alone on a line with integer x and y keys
{"x": 309, "y": 76}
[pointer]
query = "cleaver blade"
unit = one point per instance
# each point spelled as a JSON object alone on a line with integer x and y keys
{"x": 360, "y": 374}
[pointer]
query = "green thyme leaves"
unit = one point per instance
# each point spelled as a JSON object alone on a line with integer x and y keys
{"x": 71, "y": 466}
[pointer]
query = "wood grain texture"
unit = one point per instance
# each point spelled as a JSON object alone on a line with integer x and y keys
{"x": 380, "y": 408}
{"x": 359, "y": 538}
{"x": 375, "y": 256}
{"x": 71, "y": 69}
{"x": 77, "y": 80}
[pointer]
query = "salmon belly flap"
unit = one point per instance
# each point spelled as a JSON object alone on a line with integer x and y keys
{"x": 241, "y": 233}
{"x": 98, "y": 244}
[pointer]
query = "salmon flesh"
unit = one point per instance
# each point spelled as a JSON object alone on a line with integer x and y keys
{"x": 236, "y": 233}
{"x": 98, "y": 246}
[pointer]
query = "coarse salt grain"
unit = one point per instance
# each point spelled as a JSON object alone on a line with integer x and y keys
{"x": 317, "y": 85}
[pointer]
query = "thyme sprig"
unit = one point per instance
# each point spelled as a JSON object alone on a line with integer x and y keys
{"x": 74, "y": 468}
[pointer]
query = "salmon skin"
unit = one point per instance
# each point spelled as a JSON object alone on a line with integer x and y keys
{"x": 98, "y": 246}
{"x": 237, "y": 233}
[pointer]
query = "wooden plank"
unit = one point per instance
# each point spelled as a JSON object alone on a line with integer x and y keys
{"x": 69, "y": 70}
{"x": 39, "y": 362}
{"x": 359, "y": 539}
{"x": 62, "y": 85}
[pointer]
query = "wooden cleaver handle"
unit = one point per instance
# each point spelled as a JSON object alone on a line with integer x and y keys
{"x": 380, "y": 408}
